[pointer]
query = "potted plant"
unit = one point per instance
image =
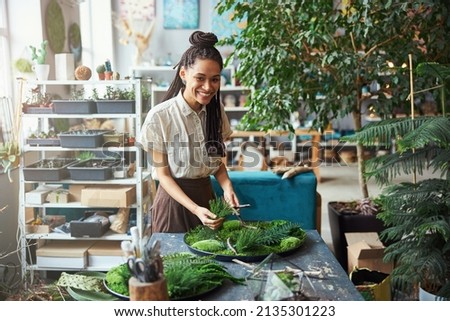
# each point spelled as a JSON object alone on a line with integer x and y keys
{"x": 101, "y": 71}
{"x": 323, "y": 64}
{"x": 10, "y": 157}
{"x": 416, "y": 213}
{"x": 39, "y": 55}
{"x": 116, "y": 101}
{"x": 37, "y": 102}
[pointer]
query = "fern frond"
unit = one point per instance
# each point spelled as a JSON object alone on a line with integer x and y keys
{"x": 385, "y": 168}
{"x": 275, "y": 233}
{"x": 434, "y": 130}
{"x": 383, "y": 132}
{"x": 433, "y": 69}
{"x": 248, "y": 239}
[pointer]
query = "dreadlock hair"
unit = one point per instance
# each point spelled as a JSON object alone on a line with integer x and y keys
{"x": 202, "y": 47}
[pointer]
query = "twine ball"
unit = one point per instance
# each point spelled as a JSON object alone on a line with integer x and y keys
{"x": 83, "y": 73}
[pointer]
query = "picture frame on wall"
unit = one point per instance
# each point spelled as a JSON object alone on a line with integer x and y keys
{"x": 181, "y": 14}
{"x": 222, "y": 25}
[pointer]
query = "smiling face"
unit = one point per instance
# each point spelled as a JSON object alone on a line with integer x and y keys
{"x": 202, "y": 82}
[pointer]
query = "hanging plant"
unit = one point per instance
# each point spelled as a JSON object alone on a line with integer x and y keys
{"x": 55, "y": 27}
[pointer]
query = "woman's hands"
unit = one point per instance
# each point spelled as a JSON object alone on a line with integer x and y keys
{"x": 208, "y": 218}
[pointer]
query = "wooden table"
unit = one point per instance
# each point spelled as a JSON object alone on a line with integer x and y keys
{"x": 335, "y": 285}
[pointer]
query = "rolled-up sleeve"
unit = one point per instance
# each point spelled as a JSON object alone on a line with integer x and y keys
{"x": 152, "y": 137}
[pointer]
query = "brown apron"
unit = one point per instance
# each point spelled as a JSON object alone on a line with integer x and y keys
{"x": 169, "y": 216}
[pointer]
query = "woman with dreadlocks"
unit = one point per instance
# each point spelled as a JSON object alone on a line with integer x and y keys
{"x": 184, "y": 137}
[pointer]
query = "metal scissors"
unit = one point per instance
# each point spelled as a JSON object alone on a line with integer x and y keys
{"x": 137, "y": 268}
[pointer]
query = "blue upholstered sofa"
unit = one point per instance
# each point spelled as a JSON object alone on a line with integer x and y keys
{"x": 271, "y": 197}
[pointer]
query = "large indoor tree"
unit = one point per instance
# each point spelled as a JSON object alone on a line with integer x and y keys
{"x": 319, "y": 55}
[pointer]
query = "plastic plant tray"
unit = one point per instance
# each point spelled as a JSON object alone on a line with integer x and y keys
{"x": 74, "y": 107}
{"x": 82, "y": 139}
{"x": 116, "y": 106}
{"x": 95, "y": 169}
{"x": 37, "y": 110}
{"x": 43, "y": 141}
{"x": 51, "y": 169}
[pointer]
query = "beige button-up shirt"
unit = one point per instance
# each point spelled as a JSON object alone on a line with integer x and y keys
{"x": 173, "y": 128}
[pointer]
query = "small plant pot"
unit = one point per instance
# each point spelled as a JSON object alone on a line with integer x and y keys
{"x": 108, "y": 75}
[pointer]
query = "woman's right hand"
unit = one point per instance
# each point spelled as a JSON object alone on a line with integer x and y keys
{"x": 208, "y": 218}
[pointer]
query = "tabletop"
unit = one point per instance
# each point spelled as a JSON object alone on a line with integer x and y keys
{"x": 333, "y": 284}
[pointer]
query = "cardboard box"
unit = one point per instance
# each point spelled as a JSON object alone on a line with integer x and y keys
{"x": 365, "y": 250}
{"x": 58, "y": 196}
{"x": 109, "y": 196}
{"x": 105, "y": 254}
{"x": 75, "y": 192}
{"x": 39, "y": 195}
{"x": 36, "y": 229}
{"x": 63, "y": 254}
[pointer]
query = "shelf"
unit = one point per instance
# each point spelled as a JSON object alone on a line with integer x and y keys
{"x": 28, "y": 148}
{"x": 117, "y": 181}
{"x": 81, "y": 82}
{"x": 88, "y": 268}
{"x": 69, "y": 205}
{"x": 82, "y": 116}
{"x": 110, "y": 236}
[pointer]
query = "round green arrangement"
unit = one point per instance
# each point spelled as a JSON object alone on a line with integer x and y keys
{"x": 188, "y": 276}
{"x": 250, "y": 240}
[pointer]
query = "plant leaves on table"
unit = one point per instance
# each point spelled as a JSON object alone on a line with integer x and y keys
{"x": 188, "y": 276}
{"x": 250, "y": 242}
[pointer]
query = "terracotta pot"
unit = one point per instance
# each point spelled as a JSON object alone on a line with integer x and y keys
{"x": 108, "y": 75}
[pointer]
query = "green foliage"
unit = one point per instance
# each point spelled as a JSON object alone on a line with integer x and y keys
{"x": 39, "y": 55}
{"x": 418, "y": 220}
{"x": 208, "y": 245}
{"x": 220, "y": 207}
{"x": 422, "y": 143}
{"x": 114, "y": 93}
{"x": 189, "y": 275}
{"x": 23, "y": 65}
{"x": 100, "y": 68}
{"x": 254, "y": 239}
{"x": 117, "y": 279}
{"x": 9, "y": 156}
{"x": 318, "y": 58}
{"x": 307, "y": 53}
{"x": 290, "y": 242}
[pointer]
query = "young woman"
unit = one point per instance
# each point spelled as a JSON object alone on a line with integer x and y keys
{"x": 184, "y": 137}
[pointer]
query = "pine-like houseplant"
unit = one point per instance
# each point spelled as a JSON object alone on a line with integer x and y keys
{"x": 416, "y": 213}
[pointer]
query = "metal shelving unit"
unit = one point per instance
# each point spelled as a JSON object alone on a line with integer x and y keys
{"x": 29, "y": 242}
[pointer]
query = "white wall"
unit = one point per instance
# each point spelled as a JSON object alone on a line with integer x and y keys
{"x": 163, "y": 40}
